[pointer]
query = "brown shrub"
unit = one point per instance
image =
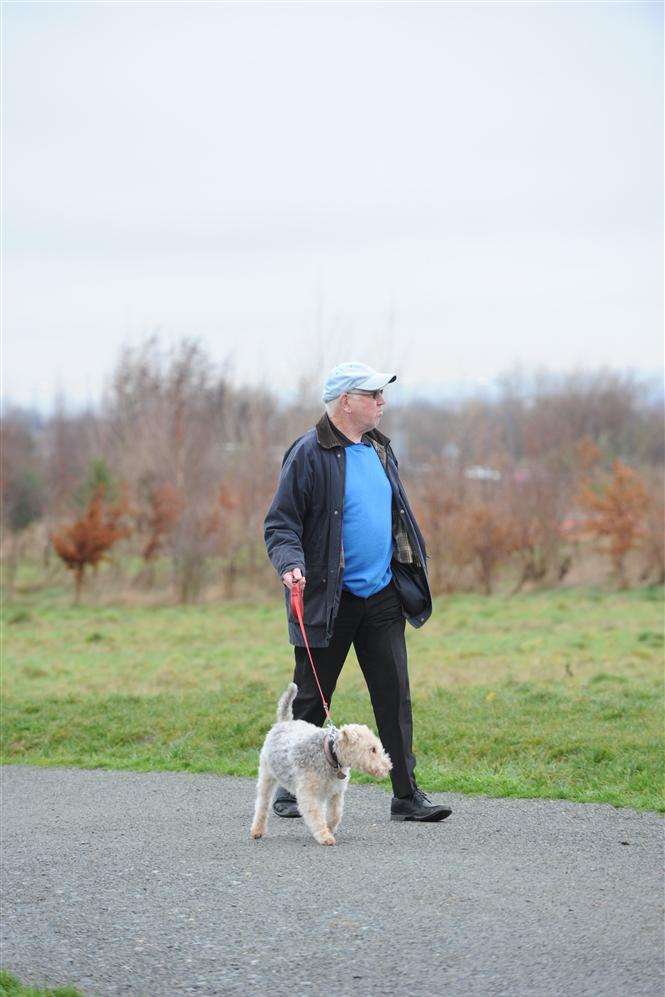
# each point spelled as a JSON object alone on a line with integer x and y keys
{"x": 615, "y": 511}
{"x": 485, "y": 535}
{"x": 89, "y": 538}
{"x": 165, "y": 506}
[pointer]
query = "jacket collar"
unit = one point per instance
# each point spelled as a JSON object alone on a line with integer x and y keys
{"x": 327, "y": 438}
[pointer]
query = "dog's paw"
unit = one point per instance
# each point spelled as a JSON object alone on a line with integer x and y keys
{"x": 256, "y": 832}
{"x": 328, "y": 840}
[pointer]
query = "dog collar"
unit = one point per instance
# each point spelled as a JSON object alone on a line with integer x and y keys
{"x": 329, "y": 751}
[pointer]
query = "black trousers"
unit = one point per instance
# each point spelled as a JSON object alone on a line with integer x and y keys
{"x": 375, "y": 627}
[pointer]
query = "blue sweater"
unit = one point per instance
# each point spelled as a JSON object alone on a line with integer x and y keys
{"x": 367, "y": 524}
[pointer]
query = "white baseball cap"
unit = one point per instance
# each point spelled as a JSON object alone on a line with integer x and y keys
{"x": 354, "y": 376}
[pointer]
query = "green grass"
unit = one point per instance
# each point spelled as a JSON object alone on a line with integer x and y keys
{"x": 10, "y": 987}
{"x": 556, "y": 694}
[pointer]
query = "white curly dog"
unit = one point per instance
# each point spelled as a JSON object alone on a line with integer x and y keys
{"x": 313, "y": 764}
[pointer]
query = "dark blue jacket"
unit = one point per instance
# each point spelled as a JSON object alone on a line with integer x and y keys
{"x": 303, "y": 529}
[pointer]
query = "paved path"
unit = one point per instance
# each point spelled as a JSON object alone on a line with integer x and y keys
{"x": 148, "y": 884}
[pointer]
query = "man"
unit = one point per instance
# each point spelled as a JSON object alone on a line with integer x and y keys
{"x": 341, "y": 528}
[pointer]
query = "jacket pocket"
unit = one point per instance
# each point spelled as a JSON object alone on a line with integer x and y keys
{"x": 315, "y": 595}
{"x": 411, "y": 586}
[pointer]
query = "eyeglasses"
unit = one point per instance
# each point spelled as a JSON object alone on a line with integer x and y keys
{"x": 368, "y": 394}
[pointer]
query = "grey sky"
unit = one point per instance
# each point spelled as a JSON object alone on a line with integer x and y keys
{"x": 451, "y": 189}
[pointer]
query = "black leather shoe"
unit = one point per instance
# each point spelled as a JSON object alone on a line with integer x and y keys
{"x": 417, "y": 807}
{"x": 284, "y": 804}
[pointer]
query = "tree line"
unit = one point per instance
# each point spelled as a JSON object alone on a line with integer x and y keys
{"x": 176, "y": 467}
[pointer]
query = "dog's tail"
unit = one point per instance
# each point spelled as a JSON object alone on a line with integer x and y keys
{"x": 285, "y": 705}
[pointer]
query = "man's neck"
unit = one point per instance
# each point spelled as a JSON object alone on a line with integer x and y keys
{"x": 349, "y": 430}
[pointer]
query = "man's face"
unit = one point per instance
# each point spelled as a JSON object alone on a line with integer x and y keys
{"x": 365, "y": 408}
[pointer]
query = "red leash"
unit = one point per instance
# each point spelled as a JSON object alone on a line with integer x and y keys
{"x": 297, "y": 610}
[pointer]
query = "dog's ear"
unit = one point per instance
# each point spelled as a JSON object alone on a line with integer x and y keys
{"x": 348, "y": 736}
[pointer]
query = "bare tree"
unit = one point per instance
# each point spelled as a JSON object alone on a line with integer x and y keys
{"x": 23, "y": 493}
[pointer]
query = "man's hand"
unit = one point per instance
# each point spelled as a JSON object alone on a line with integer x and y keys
{"x": 294, "y": 577}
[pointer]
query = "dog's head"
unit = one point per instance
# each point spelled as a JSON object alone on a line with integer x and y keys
{"x": 358, "y": 748}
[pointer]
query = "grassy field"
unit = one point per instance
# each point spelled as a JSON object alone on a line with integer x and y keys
{"x": 555, "y": 694}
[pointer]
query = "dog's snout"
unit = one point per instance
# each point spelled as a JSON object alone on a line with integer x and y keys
{"x": 383, "y": 766}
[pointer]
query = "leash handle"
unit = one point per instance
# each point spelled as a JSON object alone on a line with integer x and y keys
{"x": 297, "y": 607}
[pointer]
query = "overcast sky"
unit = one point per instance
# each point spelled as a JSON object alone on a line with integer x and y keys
{"x": 447, "y": 189}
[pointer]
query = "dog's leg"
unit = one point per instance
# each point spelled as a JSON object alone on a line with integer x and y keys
{"x": 265, "y": 787}
{"x": 335, "y": 811}
{"x": 307, "y": 792}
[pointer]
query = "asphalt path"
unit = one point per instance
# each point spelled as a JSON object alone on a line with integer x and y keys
{"x": 148, "y": 883}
